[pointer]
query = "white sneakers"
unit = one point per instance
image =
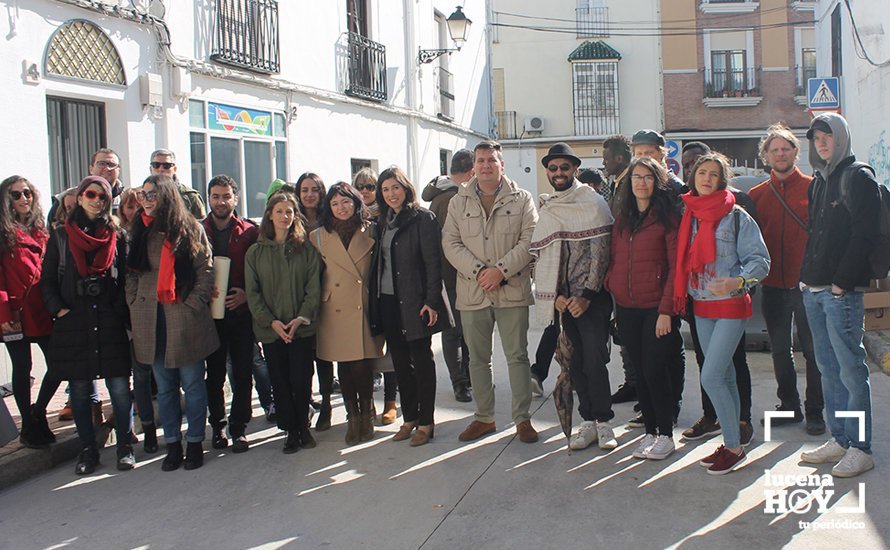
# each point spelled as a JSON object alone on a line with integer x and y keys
{"x": 855, "y": 462}
{"x": 589, "y": 432}
{"x": 537, "y": 387}
{"x": 585, "y": 437}
{"x": 830, "y": 451}
{"x": 655, "y": 448}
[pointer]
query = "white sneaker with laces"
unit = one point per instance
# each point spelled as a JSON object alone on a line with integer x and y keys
{"x": 855, "y": 462}
{"x": 537, "y": 387}
{"x": 586, "y": 435}
{"x": 644, "y": 446}
{"x": 605, "y": 436}
{"x": 661, "y": 449}
{"x": 830, "y": 451}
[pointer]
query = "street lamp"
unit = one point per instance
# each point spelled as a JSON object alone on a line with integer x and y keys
{"x": 458, "y": 28}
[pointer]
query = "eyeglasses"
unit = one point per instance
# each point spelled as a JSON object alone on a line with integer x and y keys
{"x": 649, "y": 178}
{"x": 93, "y": 195}
{"x": 107, "y": 164}
{"x": 147, "y": 195}
{"x": 366, "y": 187}
{"x": 165, "y": 165}
{"x": 565, "y": 167}
{"x": 16, "y": 195}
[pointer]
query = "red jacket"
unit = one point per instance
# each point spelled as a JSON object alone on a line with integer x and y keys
{"x": 20, "y": 277}
{"x": 244, "y": 234}
{"x": 641, "y": 270}
{"x": 785, "y": 239}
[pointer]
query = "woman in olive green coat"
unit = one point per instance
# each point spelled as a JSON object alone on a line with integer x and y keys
{"x": 282, "y": 276}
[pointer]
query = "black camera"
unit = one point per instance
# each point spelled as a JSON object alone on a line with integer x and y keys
{"x": 91, "y": 286}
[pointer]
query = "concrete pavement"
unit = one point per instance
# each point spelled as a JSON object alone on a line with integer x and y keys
{"x": 493, "y": 493}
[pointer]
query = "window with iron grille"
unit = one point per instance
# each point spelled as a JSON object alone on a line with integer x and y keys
{"x": 80, "y": 49}
{"x": 366, "y": 68}
{"x": 808, "y": 65}
{"x": 592, "y": 19}
{"x": 595, "y": 86}
{"x": 728, "y": 74}
{"x": 247, "y": 34}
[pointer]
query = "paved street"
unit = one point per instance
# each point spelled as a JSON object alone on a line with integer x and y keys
{"x": 495, "y": 493}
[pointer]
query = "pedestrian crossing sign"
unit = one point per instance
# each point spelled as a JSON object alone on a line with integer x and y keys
{"x": 823, "y": 93}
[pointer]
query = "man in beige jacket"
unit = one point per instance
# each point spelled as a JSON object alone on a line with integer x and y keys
{"x": 486, "y": 238}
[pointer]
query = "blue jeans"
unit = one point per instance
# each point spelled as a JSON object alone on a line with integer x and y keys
{"x": 121, "y": 404}
{"x": 719, "y": 338}
{"x": 191, "y": 378}
{"x": 837, "y": 327}
{"x": 261, "y": 378}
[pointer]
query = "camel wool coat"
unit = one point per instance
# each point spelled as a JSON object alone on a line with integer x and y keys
{"x": 344, "y": 331}
{"x": 191, "y": 332}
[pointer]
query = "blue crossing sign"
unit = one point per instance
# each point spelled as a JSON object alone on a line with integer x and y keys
{"x": 823, "y": 93}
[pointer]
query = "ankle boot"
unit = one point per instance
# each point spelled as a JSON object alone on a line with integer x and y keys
{"x": 353, "y": 423}
{"x": 366, "y": 428}
{"x": 150, "y": 445}
{"x": 324, "y": 414}
{"x": 40, "y": 426}
{"x": 173, "y": 460}
{"x": 194, "y": 455}
{"x": 389, "y": 413}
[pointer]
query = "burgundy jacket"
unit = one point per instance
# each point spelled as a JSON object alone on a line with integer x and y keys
{"x": 244, "y": 234}
{"x": 641, "y": 272}
{"x": 19, "y": 284}
{"x": 785, "y": 239}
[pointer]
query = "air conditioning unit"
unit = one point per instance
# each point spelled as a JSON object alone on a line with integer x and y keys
{"x": 534, "y": 124}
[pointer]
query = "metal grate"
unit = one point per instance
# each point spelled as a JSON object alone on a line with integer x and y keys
{"x": 247, "y": 34}
{"x": 595, "y": 88}
{"x": 80, "y": 49}
{"x": 367, "y": 68}
{"x": 592, "y": 22}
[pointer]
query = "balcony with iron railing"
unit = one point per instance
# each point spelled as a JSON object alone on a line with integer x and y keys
{"x": 366, "y": 68}
{"x": 506, "y": 121}
{"x": 445, "y": 81}
{"x": 592, "y": 22}
{"x": 247, "y": 35}
{"x": 732, "y": 87}
{"x": 729, "y": 6}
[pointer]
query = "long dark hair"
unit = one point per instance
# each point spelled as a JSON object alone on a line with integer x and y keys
{"x": 9, "y": 219}
{"x": 178, "y": 226}
{"x": 296, "y": 236}
{"x": 322, "y": 191}
{"x": 79, "y": 216}
{"x": 343, "y": 189}
{"x": 396, "y": 173}
{"x": 663, "y": 203}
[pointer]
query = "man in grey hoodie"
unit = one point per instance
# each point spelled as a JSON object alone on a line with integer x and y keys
{"x": 439, "y": 192}
{"x": 844, "y": 215}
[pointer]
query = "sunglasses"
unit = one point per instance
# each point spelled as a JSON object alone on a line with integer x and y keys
{"x": 93, "y": 195}
{"x": 147, "y": 195}
{"x": 164, "y": 165}
{"x": 565, "y": 167}
{"x": 16, "y": 195}
{"x": 366, "y": 187}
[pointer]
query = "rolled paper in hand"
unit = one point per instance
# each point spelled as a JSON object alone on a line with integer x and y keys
{"x": 221, "y": 266}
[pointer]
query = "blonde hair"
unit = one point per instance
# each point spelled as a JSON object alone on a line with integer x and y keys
{"x": 778, "y": 130}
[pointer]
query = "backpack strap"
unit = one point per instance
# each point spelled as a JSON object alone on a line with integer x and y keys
{"x": 845, "y": 181}
{"x": 787, "y": 207}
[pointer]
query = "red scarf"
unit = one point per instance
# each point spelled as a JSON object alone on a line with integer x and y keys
{"x": 80, "y": 242}
{"x": 166, "y": 269}
{"x": 693, "y": 257}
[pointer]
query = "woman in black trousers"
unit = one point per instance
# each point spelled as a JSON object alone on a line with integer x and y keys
{"x": 407, "y": 298}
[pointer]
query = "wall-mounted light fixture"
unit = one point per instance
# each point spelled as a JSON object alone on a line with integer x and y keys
{"x": 458, "y": 28}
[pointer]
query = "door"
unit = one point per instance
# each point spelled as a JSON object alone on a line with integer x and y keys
{"x": 76, "y": 130}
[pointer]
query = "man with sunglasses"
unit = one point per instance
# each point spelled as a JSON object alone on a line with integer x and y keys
{"x": 163, "y": 162}
{"x": 571, "y": 243}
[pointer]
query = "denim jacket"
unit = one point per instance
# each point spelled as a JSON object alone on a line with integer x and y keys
{"x": 745, "y": 255}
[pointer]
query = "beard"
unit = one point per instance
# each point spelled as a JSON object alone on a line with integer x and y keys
{"x": 222, "y": 213}
{"x": 562, "y": 186}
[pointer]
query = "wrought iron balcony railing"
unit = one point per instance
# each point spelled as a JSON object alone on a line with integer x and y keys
{"x": 247, "y": 34}
{"x": 733, "y": 82}
{"x": 366, "y": 68}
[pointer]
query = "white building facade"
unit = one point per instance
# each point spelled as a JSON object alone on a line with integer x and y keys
{"x": 854, "y": 46}
{"x": 576, "y": 71}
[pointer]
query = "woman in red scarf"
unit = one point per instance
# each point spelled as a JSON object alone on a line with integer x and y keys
{"x": 84, "y": 290}
{"x": 169, "y": 285}
{"x": 720, "y": 257}
{"x": 23, "y": 316}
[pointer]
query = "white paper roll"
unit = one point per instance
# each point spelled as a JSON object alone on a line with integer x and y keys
{"x": 221, "y": 266}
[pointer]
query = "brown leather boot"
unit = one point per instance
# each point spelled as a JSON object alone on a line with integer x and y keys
{"x": 366, "y": 432}
{"x": 353, "y": 423}
{"x": 389, "y": 413}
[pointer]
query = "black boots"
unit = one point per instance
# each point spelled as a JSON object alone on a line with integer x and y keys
{"x": 194, "y": 456}
{"x": 87, "y": 461}
{"x": 324, "y": 414}
{"x": 173, "y": 460}
{"x": 150, "y": 435}
{"x": 292, "y": 443}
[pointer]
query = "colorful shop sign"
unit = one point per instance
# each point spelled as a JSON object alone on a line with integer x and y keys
{"x": 238, "y": 120}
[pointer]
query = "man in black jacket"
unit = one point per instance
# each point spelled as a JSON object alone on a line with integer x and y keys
{"x": 844, "y": 215}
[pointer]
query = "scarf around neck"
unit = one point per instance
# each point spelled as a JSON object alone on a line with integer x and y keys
{"x": 166, "y": 269}
{"x": 693, "y": 258}
{"x": 104, "y": 242}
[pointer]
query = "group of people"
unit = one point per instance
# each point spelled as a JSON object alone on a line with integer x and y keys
{"x": 334, "y": 275}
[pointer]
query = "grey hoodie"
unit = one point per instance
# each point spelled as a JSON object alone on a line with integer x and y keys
{"x": 843, "y": 144}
